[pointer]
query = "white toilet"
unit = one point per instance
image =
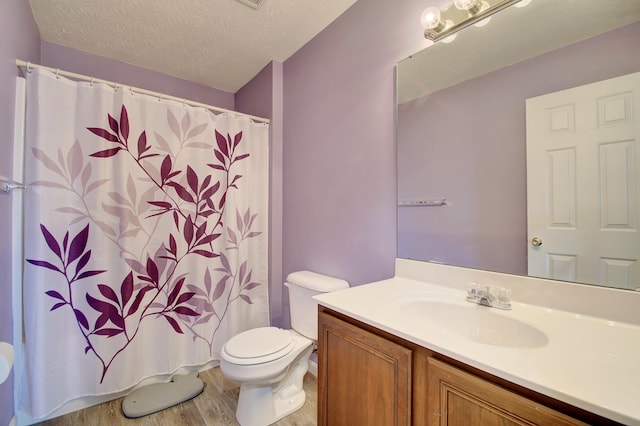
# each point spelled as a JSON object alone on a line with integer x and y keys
{"x": 269, "y": 363}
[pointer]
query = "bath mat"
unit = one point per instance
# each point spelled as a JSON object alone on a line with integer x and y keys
{"x": 150, "y": 399}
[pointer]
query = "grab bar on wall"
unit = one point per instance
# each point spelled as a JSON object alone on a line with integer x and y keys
{"x": 424, "y": 203}
{"x": 7, "y": 185}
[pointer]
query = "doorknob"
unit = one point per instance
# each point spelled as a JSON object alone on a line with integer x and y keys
{"x": 536, "y": 241}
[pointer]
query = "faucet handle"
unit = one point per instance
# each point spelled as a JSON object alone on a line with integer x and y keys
{"x": 504, "y": 296}
{"x": 473, "y": 291}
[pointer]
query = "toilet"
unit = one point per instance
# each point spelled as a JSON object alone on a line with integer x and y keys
{"x": 269, "y": 363}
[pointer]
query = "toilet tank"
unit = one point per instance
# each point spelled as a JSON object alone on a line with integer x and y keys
{"x": 303, "y": 285}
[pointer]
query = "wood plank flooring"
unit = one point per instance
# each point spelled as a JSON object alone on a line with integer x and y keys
{"x": 216, "y": 405}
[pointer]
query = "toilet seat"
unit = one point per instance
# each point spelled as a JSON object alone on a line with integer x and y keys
{"x": 258, "y": 345}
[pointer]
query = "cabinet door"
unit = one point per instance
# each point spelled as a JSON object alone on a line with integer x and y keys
{"x": 363, "y": 379}
{"x": 456, "y": 397}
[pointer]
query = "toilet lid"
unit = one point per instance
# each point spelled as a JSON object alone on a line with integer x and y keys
{"x": 262, "y": 344}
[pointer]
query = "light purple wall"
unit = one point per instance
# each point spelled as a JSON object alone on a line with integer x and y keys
{"x": 19, "y": 39}
{"x": 262, "y": 97}
{"x": 68, "y": 59}
{"x": 339, "y": 142}
{"x": 446, "y": 149}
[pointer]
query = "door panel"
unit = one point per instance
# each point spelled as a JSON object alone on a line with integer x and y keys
{"x": 583, "y": 178}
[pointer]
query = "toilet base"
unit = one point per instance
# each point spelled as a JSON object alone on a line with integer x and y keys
{"x": 264, "y": 404}
{"x": 259, "y": 407}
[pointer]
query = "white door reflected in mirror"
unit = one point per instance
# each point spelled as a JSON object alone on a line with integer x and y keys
{"x": 583, "y": 176}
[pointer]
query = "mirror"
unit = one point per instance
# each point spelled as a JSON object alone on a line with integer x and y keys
{"x": 462, "y": 127}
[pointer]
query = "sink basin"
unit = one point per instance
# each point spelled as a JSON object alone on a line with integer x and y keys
{"x": 478, "y": 323}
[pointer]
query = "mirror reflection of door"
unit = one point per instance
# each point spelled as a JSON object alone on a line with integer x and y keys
{"x": 583, "y": 179}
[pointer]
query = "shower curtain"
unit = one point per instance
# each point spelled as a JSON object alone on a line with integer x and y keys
{"x": 145, "y": 237}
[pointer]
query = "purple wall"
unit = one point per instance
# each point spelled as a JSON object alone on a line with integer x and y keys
{"x": 20, "y": 39}
{"x": 339, "y": 142}
{"x": 68, "y": 59}
{"x": 481, "y": 169}
{"x": 262, "y": 97}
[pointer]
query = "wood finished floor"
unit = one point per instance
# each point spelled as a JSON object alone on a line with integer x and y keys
{"x": 216, "y": 405}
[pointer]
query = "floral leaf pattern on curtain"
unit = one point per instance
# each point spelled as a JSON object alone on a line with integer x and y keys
{"x": 154, "y": 246}
{"x": 196, "y": 208}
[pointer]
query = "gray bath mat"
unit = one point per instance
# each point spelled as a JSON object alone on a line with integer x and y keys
{"x": 157, "y": 397}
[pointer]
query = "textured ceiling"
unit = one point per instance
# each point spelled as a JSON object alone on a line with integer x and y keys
{"x": 218, "y": 43}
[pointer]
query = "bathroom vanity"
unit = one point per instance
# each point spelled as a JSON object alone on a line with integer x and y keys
{"x": 407, "y": 351}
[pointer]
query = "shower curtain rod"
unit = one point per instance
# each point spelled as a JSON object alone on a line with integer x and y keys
{"x": 29, "y": 65}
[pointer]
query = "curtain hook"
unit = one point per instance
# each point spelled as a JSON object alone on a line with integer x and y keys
{"x": 58, "y": 73}
{"x": 91, "y": 82}
{"x": 29, "y": 69}
{"x": 115, "y": 86}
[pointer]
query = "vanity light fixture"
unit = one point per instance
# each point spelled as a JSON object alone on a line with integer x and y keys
{"x": 443, "y": 25}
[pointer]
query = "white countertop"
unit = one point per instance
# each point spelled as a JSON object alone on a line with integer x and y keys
{"x": 586, "y": 361}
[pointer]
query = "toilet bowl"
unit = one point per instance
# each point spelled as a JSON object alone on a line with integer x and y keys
{"x": 269, "y": 363}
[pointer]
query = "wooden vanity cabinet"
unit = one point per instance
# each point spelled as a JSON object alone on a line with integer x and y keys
{"x": 370, "y": 377}
{"x": 366, "y": 379}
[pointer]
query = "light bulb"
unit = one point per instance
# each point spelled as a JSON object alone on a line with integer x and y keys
{"x": 464, "y": 4}
{"x": 522, "y": 3}
{"x": 482, "y": 23}
{"x": 450, "y": 38}
{"x": 430, "y": 18}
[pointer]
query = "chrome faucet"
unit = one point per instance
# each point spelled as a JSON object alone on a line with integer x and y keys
{"x": 487, "y": 299}
{"x": 499, "y": 298}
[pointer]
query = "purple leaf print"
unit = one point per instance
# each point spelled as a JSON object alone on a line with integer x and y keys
{"x": 237, "y": 139}
{"x": 219, "y": 290}
{"x": 106, "y": 153}
{"x": 196, "y": 220}
{"x": 126, "y": 289}
{"x": 250, "y": 286}
{"x": 51, "y": 241}
{"x": 174, "y": 324}
{"x": 181, "y": 191}
{"x": 222, "y": 145}
{"x": 113, "y": 124}
{"x": 88, "y": 274}
{"x": 188, "y": 230}
{"x": 81, "y": 318}
{"x": 211, "y": 191}
{"x": 220, "y": 157}
{"x": 55, "y": 295}
{"x": 124, "y": 123}
{"x": 78, "y": 244}
{"x": 138, "y": 300}
{"x": 142, "y": 144}
{"x": 165, "y": 168}
{"x": 174, "y": 293}
{"x": 99, "y": 305}
{"x": 108, "y": 293}
{"x": 44, "y": 264}
{"x": 183, "y": 310}
{"x": 205, "y": 253}
{"x": 83, "y": 261}
{"x": 185, "y": 297}
{"x": 104, "y": 134}
{"x": 56, "y": 306}
{"x": 192, "y": 179}
{"x": 152, "y": 270}
{"x": 109, "y": 332}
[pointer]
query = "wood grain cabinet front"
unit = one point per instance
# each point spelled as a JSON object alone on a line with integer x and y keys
{"x": 367, "y": 376}
{"x": 456, "y": 397}
{"x": 363, "y": 379}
